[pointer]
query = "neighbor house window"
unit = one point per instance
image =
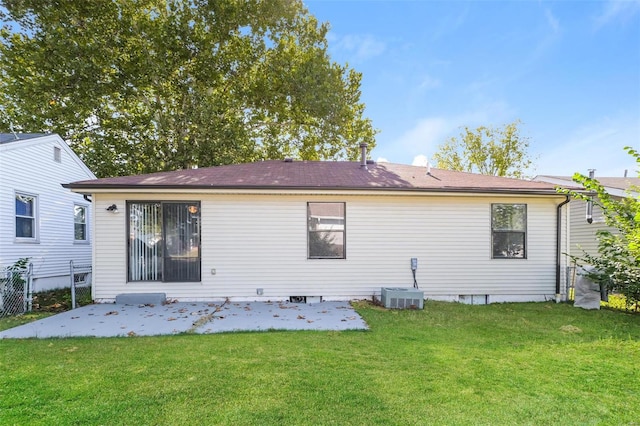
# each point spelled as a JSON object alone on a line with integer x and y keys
{"x": 57, "y": 154}
{"x": 326, "y": 230}
{"x": 26, "y": 217}
{"x": 164, "y": 241}
{"x": 509, "y": 231}
{"x": 79, "y": 223}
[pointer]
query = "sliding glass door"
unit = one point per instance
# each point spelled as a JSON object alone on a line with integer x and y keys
{"x": 164, "y": 241}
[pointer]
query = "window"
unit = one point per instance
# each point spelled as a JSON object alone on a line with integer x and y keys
{"x": 326, "y": 230}
{"x": 79, "y": 223}
{"x": 57, "y": 154}
{"x": 26, "y": 216}
{"x": 164, "y": 241}
{"x": 508, "y": 231}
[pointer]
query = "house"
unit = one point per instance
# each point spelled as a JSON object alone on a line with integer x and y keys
{"x": 582, "y": 231}
{"x": 39, "y": 219}
{"x": 276, "y": 230}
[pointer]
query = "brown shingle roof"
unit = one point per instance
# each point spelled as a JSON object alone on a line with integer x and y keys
{"x": 276, "y": 174}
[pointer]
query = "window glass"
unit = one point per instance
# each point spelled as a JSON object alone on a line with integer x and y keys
{"x": 181, "y": 241}
{"x": 508, "y": 226}
{"x": 326, "y": 230}
{"x": 164, "y": 241}
{"x": 25, "y": 216}
{"x": 80, "y": 223}
{"x": 508, "y": 217}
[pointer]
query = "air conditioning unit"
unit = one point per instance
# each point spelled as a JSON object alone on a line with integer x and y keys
{"x": 402, "y": 298}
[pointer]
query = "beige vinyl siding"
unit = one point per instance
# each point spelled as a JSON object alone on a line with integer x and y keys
{"x": 260, "y": 241}
{"x": 29, "y": 167}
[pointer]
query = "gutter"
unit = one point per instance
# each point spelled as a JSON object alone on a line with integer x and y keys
{"x": 559, "y": 244}
{"x": 89, "y": 188}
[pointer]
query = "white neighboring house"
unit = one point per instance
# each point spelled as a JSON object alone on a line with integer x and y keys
{"x": 40, "y": 219}
{"x": 274, "y": 230}
{"x": 582, "y": 234}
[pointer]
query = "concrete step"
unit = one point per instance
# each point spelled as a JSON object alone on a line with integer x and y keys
{"x": 141, "y": 299}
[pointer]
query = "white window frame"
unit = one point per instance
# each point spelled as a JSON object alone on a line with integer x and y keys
{"x": 86, "y": 223}
{"x": 35, "y": 218}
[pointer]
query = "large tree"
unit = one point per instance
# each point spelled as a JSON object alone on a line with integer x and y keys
{"x": 144, "y": 85}
{"x": 487, "y": 150}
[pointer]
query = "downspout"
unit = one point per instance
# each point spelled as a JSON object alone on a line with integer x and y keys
{"x": 559, "y": 245}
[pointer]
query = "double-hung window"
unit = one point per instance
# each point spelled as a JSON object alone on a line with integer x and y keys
{"x": 26, "y": 217}
{"x": 509, "y": 231}
{"x": 326, "y": 230}
{"x": 164, "y": 241}
{"x": 80, "y": 223}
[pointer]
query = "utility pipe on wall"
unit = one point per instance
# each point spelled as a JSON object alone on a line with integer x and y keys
{"x": 559, "y": 244}
{"x": 590, "y": 202}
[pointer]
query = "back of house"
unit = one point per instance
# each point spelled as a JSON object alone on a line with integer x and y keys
{"x": 39, "y": 219}
{"x": 312, "y": 230}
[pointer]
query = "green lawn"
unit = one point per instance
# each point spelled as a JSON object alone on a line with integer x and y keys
{"x": 449, "y": 364}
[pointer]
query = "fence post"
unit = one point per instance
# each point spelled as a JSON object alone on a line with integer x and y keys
{"x": 73, "y": 285}
{"x": 29, "y": 288}
{"x": 25, "y": 289}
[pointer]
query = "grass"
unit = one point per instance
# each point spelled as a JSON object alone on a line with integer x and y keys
{"x": 44, "y": 304}
{"x": 456, "y": 364}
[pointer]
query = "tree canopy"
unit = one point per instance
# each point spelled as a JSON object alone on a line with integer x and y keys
{"x": 138, "y": 86}
{"x": 487, "y": 150}
{"x": 617, "y": 263}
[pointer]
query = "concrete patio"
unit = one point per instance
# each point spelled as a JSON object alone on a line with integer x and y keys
{"x": 112, "y": 320}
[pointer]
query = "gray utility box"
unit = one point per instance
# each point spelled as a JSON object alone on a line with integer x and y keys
{"x": 402, "y": 298}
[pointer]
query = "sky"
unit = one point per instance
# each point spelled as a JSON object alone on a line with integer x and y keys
{"x": 568, "y": 70}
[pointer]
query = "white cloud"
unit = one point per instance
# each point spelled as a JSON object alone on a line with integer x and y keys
{"x": 429, "y": 83}
{"x": 552, "y": 20}
{"x": 382, "y": 160}
{"x": 615, "y": 10}
{"x": 598, "y": 145}
{"x": 420, "y": 160}
{"x": 449, "y": 24}
{"x": 430, "y": 132}
{"x": 425, "y": 135}
{"x": 359, "y": 47}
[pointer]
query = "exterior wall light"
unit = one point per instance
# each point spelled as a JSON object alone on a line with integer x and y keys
{"x": 112, "y": 208}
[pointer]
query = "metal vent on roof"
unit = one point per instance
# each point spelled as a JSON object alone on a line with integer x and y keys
{"x": 288, "y": 160}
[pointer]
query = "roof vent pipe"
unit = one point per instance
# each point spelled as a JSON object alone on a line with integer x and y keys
{"x": 590, "y": 201}
{"x": 363, "y": 156}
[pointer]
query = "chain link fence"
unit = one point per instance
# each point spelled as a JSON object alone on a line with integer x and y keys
{"x": 81, "y": 279}
{"x": 16, "y": 287}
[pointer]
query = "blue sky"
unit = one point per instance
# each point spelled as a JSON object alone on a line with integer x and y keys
{"x": 569, "y": 70}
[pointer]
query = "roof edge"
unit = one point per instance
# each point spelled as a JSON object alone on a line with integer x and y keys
{"x": 470, "y": 190}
